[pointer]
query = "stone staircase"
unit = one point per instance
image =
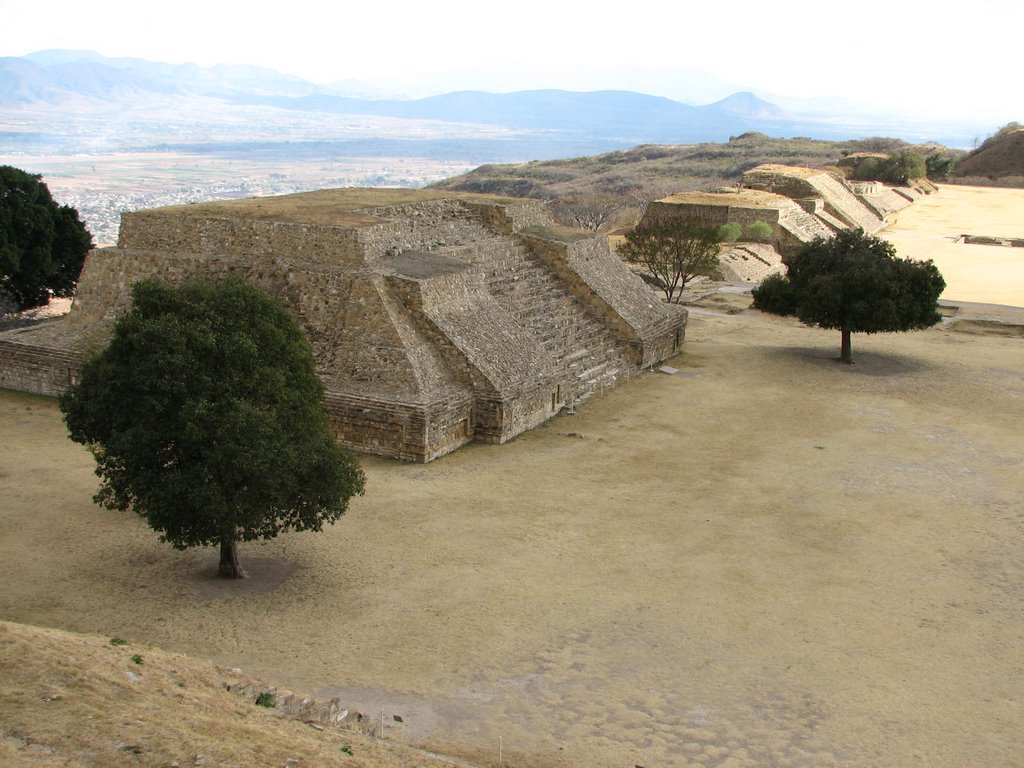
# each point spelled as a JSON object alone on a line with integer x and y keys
{"x": 803, "y": 225}
{"x": 592, "y": 357}
{"x": 840, "y": 197}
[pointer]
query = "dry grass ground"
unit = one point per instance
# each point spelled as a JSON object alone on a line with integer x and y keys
{"x": 768, "y": 559}
{"x": 79, "y": 700}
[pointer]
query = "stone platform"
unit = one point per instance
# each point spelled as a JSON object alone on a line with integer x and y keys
{"x": 435, "y": 318}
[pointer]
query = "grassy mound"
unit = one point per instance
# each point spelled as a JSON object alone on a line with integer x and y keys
{"x": 86, "y": 700}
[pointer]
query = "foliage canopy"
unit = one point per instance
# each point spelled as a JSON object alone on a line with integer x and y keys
{"x": 853, "y": 282}
{"x": 899, "y": 168}
{"x": 42, "y": 244}
{"x": 204, "y": 416}
{"x": 673, "y": 251}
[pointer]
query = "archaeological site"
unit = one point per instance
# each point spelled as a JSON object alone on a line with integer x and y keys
{"x": 435, "y": 318}
{"x": 797, "y": 203}
{"x": 440, "y": 318}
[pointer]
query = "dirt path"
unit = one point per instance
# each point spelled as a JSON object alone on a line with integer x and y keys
{"x": 766, "y": 560}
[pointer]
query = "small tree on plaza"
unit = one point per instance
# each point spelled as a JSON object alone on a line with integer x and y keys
{"x": 853, "y": 282}
{"x": 587, "y": 211}
{"x": 204, "y": 417}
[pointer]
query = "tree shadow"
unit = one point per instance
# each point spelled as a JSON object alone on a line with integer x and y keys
{"x": 865, "y": 363}
{"x": 264, "y": 574}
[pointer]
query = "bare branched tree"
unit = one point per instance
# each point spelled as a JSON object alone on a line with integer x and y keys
{"x": 587, "y": 211}
{"x": 673, "y": 251}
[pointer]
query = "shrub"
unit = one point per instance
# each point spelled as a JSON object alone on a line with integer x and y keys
{"x": 730, "y": 232}
{"x": 759, "y": 232}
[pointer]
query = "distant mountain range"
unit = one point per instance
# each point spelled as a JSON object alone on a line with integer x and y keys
{"x": 83, "y": 81}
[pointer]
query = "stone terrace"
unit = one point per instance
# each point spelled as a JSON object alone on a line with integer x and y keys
{"x": 838, "y": 203}
{"x": 792, "y": 226}
{"x": 435, "y": 318}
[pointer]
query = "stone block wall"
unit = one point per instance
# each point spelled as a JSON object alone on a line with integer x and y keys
{"x": 411, "y": 432}
{"x": 238, "y": 236}
{"x": 34, "y": 368}
{"x": 780, "y": 217}
{"x": 445, "y": 224}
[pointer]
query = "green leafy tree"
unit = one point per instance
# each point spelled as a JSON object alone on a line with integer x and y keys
{"x": 42, "y": 244}
{"x": 938, "y": 167}
{"x": 204, "y": 417}
{"x": 673, "y": 251}
{"x": 899, "y": 168}
{"x": 853, "y": 282}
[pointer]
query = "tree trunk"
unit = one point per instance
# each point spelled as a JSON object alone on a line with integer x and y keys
{"x": 846, "y": 350}
{"x": 230, "y": 568}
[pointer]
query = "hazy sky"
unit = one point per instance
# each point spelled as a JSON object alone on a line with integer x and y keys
{"x": 915, "y": 56}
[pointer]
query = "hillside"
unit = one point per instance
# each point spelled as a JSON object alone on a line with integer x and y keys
{"x": 69, "y": 87}
{"x": 79, "y": 700}
{"x": 652, "y": 171}
{"x": 999, "y": 159}
{"x": 77, "y": 82}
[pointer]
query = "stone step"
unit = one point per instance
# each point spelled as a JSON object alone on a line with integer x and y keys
{"x": 521, "y": 283}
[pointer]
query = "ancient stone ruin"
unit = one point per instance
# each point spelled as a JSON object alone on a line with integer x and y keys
{"x": 435, "y": 318}
{"x": 797, "y": 203}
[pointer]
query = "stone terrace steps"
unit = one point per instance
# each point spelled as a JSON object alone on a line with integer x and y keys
{"x": 520, "y": 282}
{"x": 592, "y": 356}
{"x": 842, "y": 198}
{"x": 804, "y": 225}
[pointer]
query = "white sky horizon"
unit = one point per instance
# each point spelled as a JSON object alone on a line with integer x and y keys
{"x": 907, "y": 58}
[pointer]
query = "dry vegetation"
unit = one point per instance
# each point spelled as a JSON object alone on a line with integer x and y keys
{"x": 652, "y": 171}
{"x": 80, "y": 700}
{"x": 999, "y": 161}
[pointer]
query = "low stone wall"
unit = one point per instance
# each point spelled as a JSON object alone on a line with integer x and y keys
{"x": 27, "y": 367}
{"x": 320, "y": 712}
